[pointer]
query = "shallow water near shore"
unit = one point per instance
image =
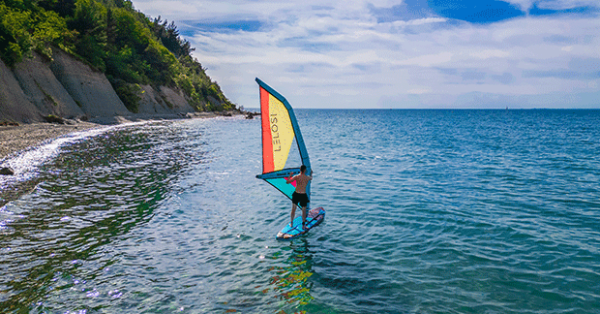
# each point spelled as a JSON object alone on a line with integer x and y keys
{"x": 428, "y": 211}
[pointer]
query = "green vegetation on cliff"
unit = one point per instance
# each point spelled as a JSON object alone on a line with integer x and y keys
{"x": 111, "y": 36}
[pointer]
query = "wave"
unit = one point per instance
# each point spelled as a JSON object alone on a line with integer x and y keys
{"x": 26, "y": 163}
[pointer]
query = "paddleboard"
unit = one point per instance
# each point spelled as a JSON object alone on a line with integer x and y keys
{"x": 314, "y": 218}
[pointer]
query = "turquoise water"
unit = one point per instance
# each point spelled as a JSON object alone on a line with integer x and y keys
{"x": 427, "y": 212}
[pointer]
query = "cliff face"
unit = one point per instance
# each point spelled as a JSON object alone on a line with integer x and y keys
{"x": 152, "y": 102}
{"x": 175, "y": 99}
{"x": 164, "y": 101}
{"x": 90, "y": 89}
{"x": 44, "y": 90}
{"x": 69, "y": 88}
{"x": 14, "y": 104}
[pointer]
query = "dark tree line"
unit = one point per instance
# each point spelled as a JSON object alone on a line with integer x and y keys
{"x": 169, "y": 36}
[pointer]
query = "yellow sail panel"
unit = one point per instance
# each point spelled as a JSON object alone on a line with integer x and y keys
{"x": 282, "y": 132}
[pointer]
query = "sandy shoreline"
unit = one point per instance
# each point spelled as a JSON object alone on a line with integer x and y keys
{"x": 17, "y": 138}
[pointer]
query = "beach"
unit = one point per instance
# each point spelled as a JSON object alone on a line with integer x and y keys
{"x": 17, "y": 138}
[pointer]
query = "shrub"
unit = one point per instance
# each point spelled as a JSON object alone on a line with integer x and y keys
{"x": 54, "y": 119}
{"x": 128, "y": 93}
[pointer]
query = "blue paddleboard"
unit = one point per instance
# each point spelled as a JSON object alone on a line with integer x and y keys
{"x": 314, "y": 218}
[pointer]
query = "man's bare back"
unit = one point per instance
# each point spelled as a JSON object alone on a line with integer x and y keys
{"x": 301, "y": 182}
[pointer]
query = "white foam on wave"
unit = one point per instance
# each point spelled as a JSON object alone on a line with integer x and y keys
{"x": 26, "y": 163}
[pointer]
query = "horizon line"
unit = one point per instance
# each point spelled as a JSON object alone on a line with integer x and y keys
{"x": 505, "y": 109}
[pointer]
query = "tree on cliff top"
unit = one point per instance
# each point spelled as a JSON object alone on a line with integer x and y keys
{"x": 114, "y": 38}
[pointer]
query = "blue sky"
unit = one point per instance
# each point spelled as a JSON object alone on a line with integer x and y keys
{"x": 397, "y": 54}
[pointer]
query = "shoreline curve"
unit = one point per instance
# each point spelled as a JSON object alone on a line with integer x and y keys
{"x": 15, "y": 139}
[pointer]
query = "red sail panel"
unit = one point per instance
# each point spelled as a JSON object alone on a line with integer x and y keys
{"x": 267, "y": 138}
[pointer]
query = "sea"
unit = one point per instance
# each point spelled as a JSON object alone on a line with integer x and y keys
{"x": 427, "y": 211}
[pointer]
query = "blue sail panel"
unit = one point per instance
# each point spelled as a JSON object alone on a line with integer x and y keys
{"x": 286, "y": 188}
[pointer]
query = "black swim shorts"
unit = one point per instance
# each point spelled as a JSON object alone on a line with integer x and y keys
{"x": 300, "y": 198}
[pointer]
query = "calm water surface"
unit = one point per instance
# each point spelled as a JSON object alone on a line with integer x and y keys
{"x": 427, "y": 212}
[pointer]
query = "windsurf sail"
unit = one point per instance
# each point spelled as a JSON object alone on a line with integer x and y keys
{"x": 282, "y": 144}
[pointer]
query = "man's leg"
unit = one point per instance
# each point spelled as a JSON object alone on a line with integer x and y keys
{"x": 293, "y": 214}
{"x": 303, "y": 216}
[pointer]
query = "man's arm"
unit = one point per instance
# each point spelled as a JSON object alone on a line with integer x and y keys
{"x": 291, "y": 178}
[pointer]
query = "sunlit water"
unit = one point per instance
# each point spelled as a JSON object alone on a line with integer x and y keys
{"x": 427, "y": 212}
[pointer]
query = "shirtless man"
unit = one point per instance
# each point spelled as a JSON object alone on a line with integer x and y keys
{"x": 299, "y": 195}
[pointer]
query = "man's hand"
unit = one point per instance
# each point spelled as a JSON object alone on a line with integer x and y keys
{"x": 288, "y": 180}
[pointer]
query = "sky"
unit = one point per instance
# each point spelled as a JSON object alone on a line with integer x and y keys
{"x": 397, "y": 54}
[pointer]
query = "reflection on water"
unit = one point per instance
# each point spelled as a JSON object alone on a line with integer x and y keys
{"x": 57, "y": 238}
{"x": 290, "y": 283}
{"x": 285, "y": 286}
{"x": 146, "y": 219}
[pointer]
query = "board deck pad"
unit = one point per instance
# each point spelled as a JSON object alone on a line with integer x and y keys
{"x": 314, "y": 218}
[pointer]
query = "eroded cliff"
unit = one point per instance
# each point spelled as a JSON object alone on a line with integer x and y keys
{"x": 66, "y": 87}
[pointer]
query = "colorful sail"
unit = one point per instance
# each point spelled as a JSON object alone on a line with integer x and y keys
{"x": 283, "y": 147}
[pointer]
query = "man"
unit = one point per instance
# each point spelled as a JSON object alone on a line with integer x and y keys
{"x": 299, "y": 196}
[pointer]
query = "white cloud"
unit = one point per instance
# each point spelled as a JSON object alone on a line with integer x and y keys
{"x": 438, "y": 59}
{"x": 168, "y": 8}
{"x": 489, "y": 53}
{"x": 567, "y": 4}
{"x": 335, "y": 54}
{"x": 419, "y": 21}
{"x": 419, "y": 91}
{"x": 525, "y": 5}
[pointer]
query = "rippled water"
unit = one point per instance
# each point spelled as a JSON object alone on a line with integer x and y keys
{"x": 427, "y": 212}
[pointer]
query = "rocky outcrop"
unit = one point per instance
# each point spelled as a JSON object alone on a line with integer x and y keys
{"x": 44, "y": 90}
{"x": 5, "y": 171}
{"x": 14, "y": 104}
{"x": 175, "y": 100}
{"x": 91, "y": 90}
{"x": 213, "y": 101}
{"x": 152, "y": 102}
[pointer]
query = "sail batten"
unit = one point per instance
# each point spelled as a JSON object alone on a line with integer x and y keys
{"x": 279, "y": 131}
{"x": 284, "y": 173}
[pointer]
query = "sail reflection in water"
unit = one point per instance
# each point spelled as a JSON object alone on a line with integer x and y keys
{"x": 291, "y": 283}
